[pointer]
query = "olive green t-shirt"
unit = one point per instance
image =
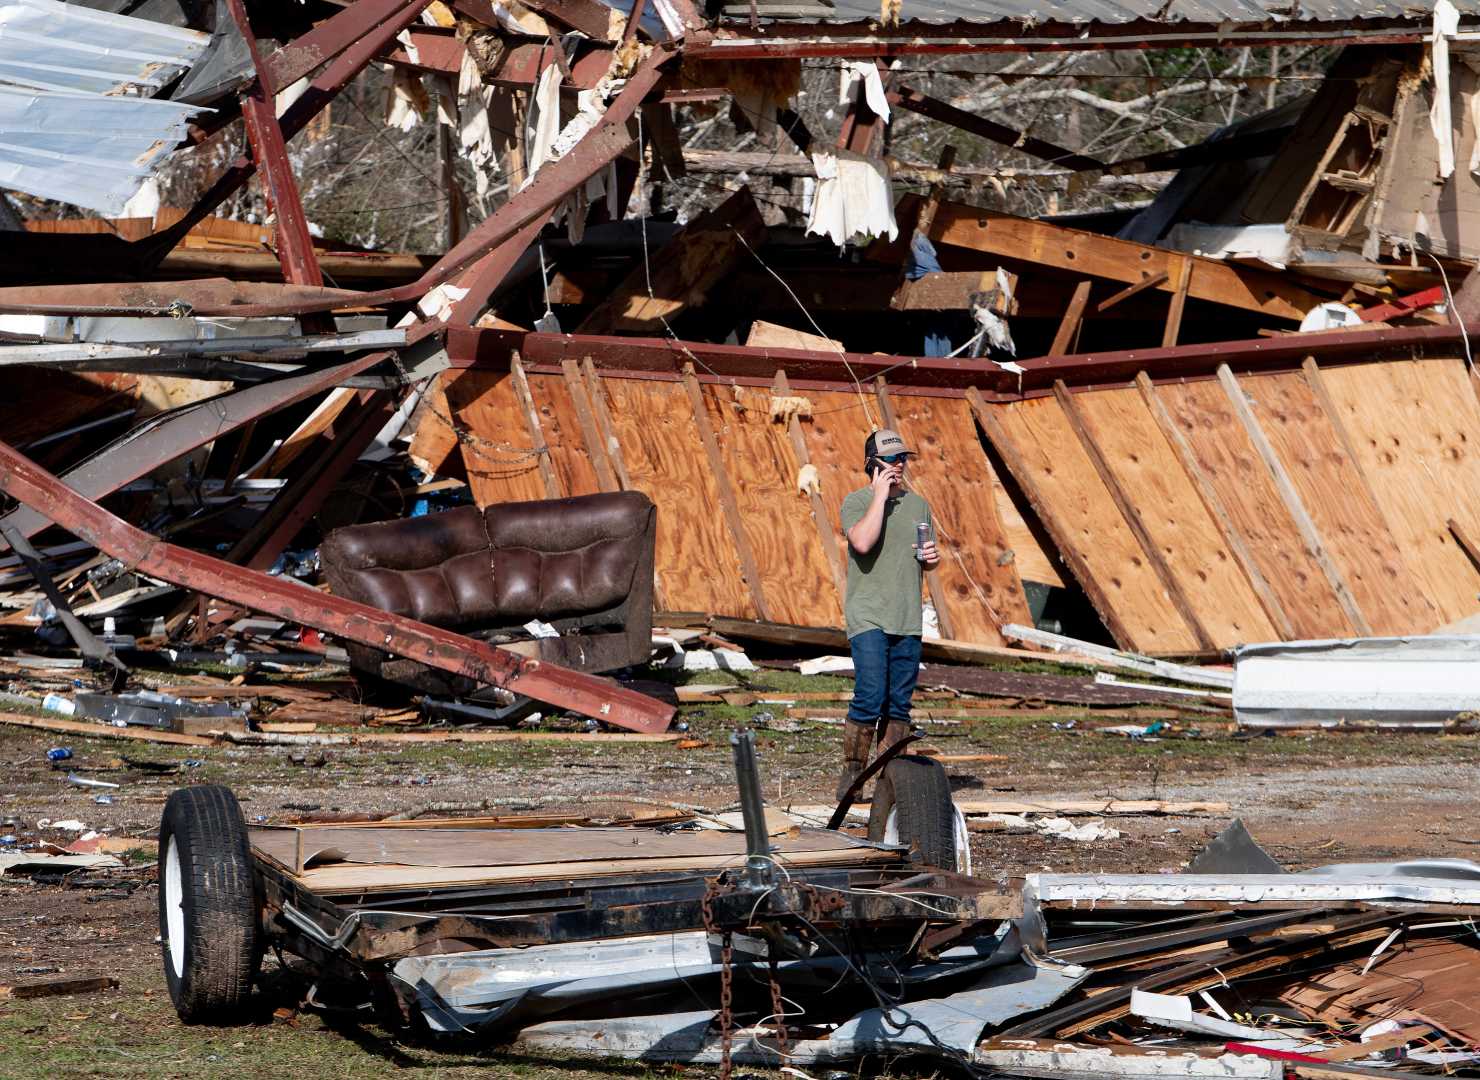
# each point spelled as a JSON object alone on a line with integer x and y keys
{"x": 884, "y": 585}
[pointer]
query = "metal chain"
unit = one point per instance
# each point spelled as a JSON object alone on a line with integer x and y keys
{"x": 778, "y": 1008}
{"x": 484, "y": 448}
{"x": 726, "y": 978}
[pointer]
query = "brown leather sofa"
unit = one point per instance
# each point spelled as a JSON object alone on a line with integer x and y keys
{"x": 583, "y": 565}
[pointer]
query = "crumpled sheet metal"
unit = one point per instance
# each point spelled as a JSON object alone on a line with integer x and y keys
{"x": 69, "y": 128}
{"x": 1394, "y": 681}
{"x": 1449, "y": 881}
{"x": 69, "y": 48}
{"x": 956, "y": 1021}
{"x": 498, "y": 988}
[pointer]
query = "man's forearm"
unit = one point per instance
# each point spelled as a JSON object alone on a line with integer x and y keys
{"x": 864, "y": 535}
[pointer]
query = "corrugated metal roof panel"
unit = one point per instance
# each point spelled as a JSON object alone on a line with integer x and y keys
{"x": 54, "y": 46}
{"x": 75, "y": 123}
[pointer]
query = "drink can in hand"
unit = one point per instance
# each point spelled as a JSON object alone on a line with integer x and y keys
{"x": 922, "y": 537}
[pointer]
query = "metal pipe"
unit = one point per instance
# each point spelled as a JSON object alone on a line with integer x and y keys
{"x": 759, "y": 867}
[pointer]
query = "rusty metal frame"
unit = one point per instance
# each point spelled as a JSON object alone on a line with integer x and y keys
{"x": 663, "y": 359}
{"x": 270, "y": 151}
{"x": 350, "y": 61}
{"x": 589, "y": 695}
{"x": 734, "y": 40}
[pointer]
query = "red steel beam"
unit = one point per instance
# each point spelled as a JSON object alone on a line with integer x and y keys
{"x": 588, "y": 695}
{"x": 331, "y": 37}
{"x": 324, "y": 88}
{"x": 1403, "y": 305}
{"x": 270, "y": 151}
{"x": 659, "y": 358}
{"x": 863, "y": 40}
{"x": 554, "y": 181}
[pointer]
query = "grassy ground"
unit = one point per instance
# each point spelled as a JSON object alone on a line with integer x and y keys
{"x": 1310, "y": 799}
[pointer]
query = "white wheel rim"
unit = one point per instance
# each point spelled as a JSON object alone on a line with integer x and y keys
{"x": 963, "y": 841}
{"x": 174, "y": 908}
{"x": 960, "y": 835}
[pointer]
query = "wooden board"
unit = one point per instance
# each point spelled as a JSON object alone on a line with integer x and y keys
{"x": 979, "y": 582}
{"x": 697, "y": 563}
{"x": 543, "y": 854}
{"x": 1233, "y": 469}
{"x": 1066, "y": 484}
{"x": 500, "y": 459}
{"x": 1335, "y": 492}
{"x": 839, "y": 424}
{"x": 1415, "y": 427}
{"x": 1043, "y": 243}
{"x": 763, "y": 334}
{"x": 1174, "y": 516}
{"x": 777, "y": 518}
{"x": 369, "y": 844}
{"x": 573, "y": 469}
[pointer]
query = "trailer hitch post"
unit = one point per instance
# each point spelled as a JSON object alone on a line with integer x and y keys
{"x": 760, "y": 868}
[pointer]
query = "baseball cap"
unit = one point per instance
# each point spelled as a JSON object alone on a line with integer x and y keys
{"x": 884, "y": 443}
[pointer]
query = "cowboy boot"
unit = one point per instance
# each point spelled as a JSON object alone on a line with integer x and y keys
{"x": 894, "y": 731}
{"x": 857, "y": 741}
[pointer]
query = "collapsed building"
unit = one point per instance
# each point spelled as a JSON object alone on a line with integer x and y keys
{"x": 1241, "y": 412}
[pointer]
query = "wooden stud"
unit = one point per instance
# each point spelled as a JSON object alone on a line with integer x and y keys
{"x": 1057, "y": 529}
{"x": 829, "y": 537}
{"x": 1067, "y": 336}
{"x": 1463, "y": 540}
{"x": 932, "y": 577}
{"x": 1183, "y": 279}
{"x": 1328, "y": 406}
{"x": 1150, "y": 281}
{"x": 597, "y": 390}
{"x": 748, "y": 566}
{"x": 1292, "y": 500}
{"x": 532, "y": 423}
{"x": 1132, "y": 515}
{"x": 595, "y": 448}
{"x": 1231, "y": 536}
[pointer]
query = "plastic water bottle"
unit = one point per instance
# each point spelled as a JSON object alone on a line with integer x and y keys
{"x": 58, "y": 704}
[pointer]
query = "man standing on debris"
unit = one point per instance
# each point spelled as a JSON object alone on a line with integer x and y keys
{"x": 891, "y": 543}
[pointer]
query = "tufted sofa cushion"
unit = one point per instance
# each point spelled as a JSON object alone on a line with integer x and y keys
{"x": 503, "y": 566}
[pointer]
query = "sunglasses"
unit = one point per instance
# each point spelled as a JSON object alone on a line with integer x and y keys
{"x": 894, "y": 459}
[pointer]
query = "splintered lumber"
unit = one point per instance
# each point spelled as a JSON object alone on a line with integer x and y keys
{"x": 56, "y": 987}
{"x": 1042, "y": 243}
{"x": 103, "y": 731}
{"x": 682, "y": 273}
{"x": 1082, "y": 807}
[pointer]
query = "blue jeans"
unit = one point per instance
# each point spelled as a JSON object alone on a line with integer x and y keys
{"x": 885, "y": 668}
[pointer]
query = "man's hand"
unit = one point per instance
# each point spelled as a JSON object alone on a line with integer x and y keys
{"x": 929, "y": 555}
{"x": 885, "y": 478}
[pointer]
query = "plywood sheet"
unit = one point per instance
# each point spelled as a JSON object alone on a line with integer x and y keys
{"x": 1065, "y": 480}
{"x": 501, "y": 461}
{"x": 839, "y": 424}
{"x": 698, "y": 566}
{"x": 1390, "y": 595}
{"x": 1415, "y": 427}
{"x": 1176, "y": 519}
{"x": 951, "y": 473}
{"x": 1033, "y": 556}
{"x": 776, "y": 515}
{"x": 568, "y": 455}
{"x": 434, "y": 441}
{"x": 1239, "y": 477}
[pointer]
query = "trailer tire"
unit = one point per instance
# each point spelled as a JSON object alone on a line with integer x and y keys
{"x": 208, "y": 911}
{"x": 916, "y": 799}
